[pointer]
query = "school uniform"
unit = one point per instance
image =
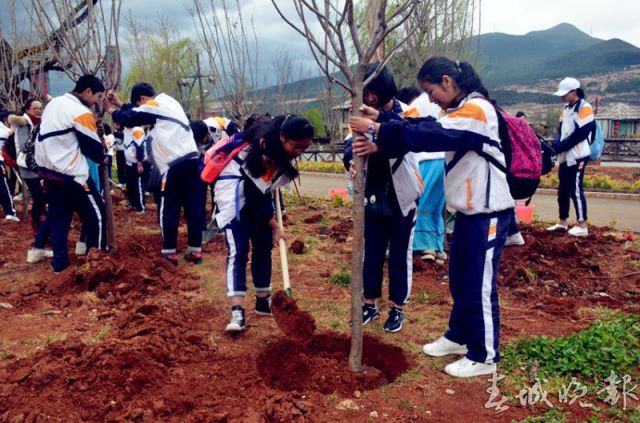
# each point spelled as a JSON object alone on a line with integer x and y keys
{"x": 478, "y": 190}
{"x": 6, "y": 199}
{"x": 392, "y": 189}
{"x": 134, "y": 153}
{"x": 217, "y": 127}
{"x": 572, "y": 147}
{"x": 176, "y": 156}
{"x": 244, "y": 207}
{"x": 429, "y": 228}
{"x": 121, "y": 161}
{"x": 110, "y": 144}
{"x": 67, "y": 141}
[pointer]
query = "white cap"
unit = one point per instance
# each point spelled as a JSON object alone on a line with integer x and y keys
{"x": 567, "y": 85}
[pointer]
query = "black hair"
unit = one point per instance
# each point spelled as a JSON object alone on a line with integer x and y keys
{"x": 383, "y": 85}
{"x": 140, "y": 89}
{"x": 231, "y": 128}
{"x": 466, "y": 78}
{"x": 521, "y": 114}
{"x": 28, "y": 103}
{"x": 4, "y": 114}
{"x": 107, "y": 129}
{"x": 580, "y": 93}
{"x": 89, "y": 81}
{"x": 200, "y": 131}
{"x": 408, "y": 94}
{"x": 264, "y": 136}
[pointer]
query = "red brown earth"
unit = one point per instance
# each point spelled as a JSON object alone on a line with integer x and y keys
{"x": 127, "y": 337}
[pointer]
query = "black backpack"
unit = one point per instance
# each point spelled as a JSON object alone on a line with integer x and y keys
{"x": 548, "y": 156}
{"x": 29, "y": 149}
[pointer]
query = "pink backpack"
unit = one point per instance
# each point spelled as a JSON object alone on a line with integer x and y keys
{"x": 523, "y": 156}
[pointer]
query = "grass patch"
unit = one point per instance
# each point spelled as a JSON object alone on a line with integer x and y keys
{"x": 341, "y": 279}
{"x": 331, "y": 398}
{"x": 54, "y": 338}
{"x": 424, "y": 297}
{"x": 609, "y": 345}
{"x": 323, "y": 167}
{"x": 554, "y": 415}
{"x": 406, "y": 405}
{"x": 103, "y": 332}
{"x": 593, "y": 181}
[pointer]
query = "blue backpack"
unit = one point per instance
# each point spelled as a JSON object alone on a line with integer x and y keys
{"x": 596, "y": 144}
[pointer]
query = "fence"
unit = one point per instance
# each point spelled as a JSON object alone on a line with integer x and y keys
{"x": 615, "y": 150}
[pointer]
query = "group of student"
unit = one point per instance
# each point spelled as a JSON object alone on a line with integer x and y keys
{"x": 453, "y": 121}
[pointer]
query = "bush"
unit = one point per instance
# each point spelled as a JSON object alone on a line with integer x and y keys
{"x": 341, "y": 279}
{"x": 324, "y": 167}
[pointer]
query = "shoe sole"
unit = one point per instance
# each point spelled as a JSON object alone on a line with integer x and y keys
{"x": 235, "y": 328}
{"x": 442, "y": 354}
{"x": 482, "y": 373}
{"x": 376, "y": 317}
{"x": 393, "y": 330}
{"x": 580, "y": 235}
{"x": 262, "y": 313}
{"x": 509, "y": 244}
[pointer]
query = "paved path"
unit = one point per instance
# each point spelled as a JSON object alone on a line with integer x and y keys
{"x": 602, "y": 212}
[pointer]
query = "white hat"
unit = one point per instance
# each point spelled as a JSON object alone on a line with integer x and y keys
{"x": 567, "y": 85}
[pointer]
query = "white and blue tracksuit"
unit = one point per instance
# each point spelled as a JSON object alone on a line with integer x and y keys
{"x": 392, "y": 188}
{"x": 478, "y": 190}
{"x": 134, "y": 149}
{"x": 6, "y": 199}
{"x": 244, "y": 208}
{"x": 572, "y": 146}
{"x": 176, "y": 156}
{"x": 66, "y": 143}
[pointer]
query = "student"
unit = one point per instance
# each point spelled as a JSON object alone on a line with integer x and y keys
{"x": 109, "y": 145}
{"x": 474, "y": 185}
{"x": 204, "y": 141}
{"x": 220, "y": 127}
{"x": 133, "y": 144}
{"x": 6, "y": 197}
{"x": 121, "y": 160}
{"x": 66, "y": 142}
{"x": 572, "y": 147}
{"x": 430, "y": 228}
{"x": 244, "y": 206}
{"x": 176, "y": 156}
{"x": 392, "y": 188}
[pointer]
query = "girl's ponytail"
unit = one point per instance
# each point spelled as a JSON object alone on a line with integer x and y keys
{"x": 465, "y": 76}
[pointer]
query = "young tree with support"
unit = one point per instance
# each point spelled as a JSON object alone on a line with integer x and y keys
{"x": 340, "y": 42}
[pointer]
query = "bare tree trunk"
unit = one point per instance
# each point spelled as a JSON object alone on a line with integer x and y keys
{"x": 357, "y": 256}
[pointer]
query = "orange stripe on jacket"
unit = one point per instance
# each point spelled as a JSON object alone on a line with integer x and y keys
{"x": 469, "y": 111}
{"x": 152, "y": 102}
{"x": 469, "y": 205}
{"x": 87, "y": 120}
{"x": 412, "y": 112}
{"x": 585, "y": 112}
{"x": 137, "y": 133}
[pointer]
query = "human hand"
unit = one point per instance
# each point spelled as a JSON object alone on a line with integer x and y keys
{"x": 113, "y": 99}
{"x": 352, "y": 169}
{"x": 369, "y": 112}
{"x": 360, "y": 124}
{"x": 363, "y": 147}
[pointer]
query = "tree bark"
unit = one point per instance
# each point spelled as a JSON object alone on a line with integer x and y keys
{"x": 357, "y": 257}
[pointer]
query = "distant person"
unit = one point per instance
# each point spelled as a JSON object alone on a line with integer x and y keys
{"x": 6, "y": 194}
{"x": 521, "y": 115}
{"x": 572, "y": 147}
{"x": 67, "y": 142}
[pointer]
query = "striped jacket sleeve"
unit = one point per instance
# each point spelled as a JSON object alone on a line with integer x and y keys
{"x": 585, "y": 124}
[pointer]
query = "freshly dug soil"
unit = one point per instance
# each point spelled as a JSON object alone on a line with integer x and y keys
{"x": 294, "y": 323}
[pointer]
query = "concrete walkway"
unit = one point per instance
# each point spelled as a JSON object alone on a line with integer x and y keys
{"x": 602, "y": 212}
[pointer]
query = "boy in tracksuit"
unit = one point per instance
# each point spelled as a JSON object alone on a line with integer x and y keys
{"x": 6, "y": 199}
{"x": 176, "y": 155}
{"x": 134, "y": 154}
{"x": 121, "y": 161}
{"x": 392, "y": 188}
{"x": 66, "y": 142}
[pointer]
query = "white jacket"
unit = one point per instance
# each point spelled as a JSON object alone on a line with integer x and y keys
{"x": 571, "y": 120}
{"x": 133, "y": 139}
{"x": 64, "y": 121}
{"x": 172, "y": 136}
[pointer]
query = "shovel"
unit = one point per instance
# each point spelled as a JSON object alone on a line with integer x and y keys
{"x": 210, "y": 232}
{"x": 286, "y": 284}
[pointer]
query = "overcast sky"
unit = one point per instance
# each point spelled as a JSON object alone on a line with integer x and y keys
{"x": 602, "y": 19}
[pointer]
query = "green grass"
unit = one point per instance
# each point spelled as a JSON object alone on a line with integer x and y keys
{"x": 425, "y": 297}
{"x": 324, "y": 167}
{"x": 103, "y": 332}
{"x": 609, "y": 345}
{"x": 341, "y": 279}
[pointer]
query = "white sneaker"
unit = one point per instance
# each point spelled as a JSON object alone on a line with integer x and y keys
{"x": 579, "y": 231}
{"x": 443, "y": 346}
{"x": 429, "y": 255}
{"x": 35, "y": 255}
{"x": 467, "y": 368}
{"x": 441, "y": 255}
{"x": 557, "y": 227}
{"x": 515, "y": 239}
{"x": 11, "y": 218}
{"x": 81, "y": 248}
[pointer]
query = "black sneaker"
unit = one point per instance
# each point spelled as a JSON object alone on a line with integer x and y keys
{"x": 369, "y": 312}
{"x": 395, "y": 320}
{"x": 237, "y": 322}
{"x": 263, "y": 306}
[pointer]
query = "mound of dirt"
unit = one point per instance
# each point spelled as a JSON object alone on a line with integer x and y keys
{"x": 297, "y": 246}
{"x": 322, "y": 365}
{"x": 294, "y": 323}
{"x": 342, "y": 230}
